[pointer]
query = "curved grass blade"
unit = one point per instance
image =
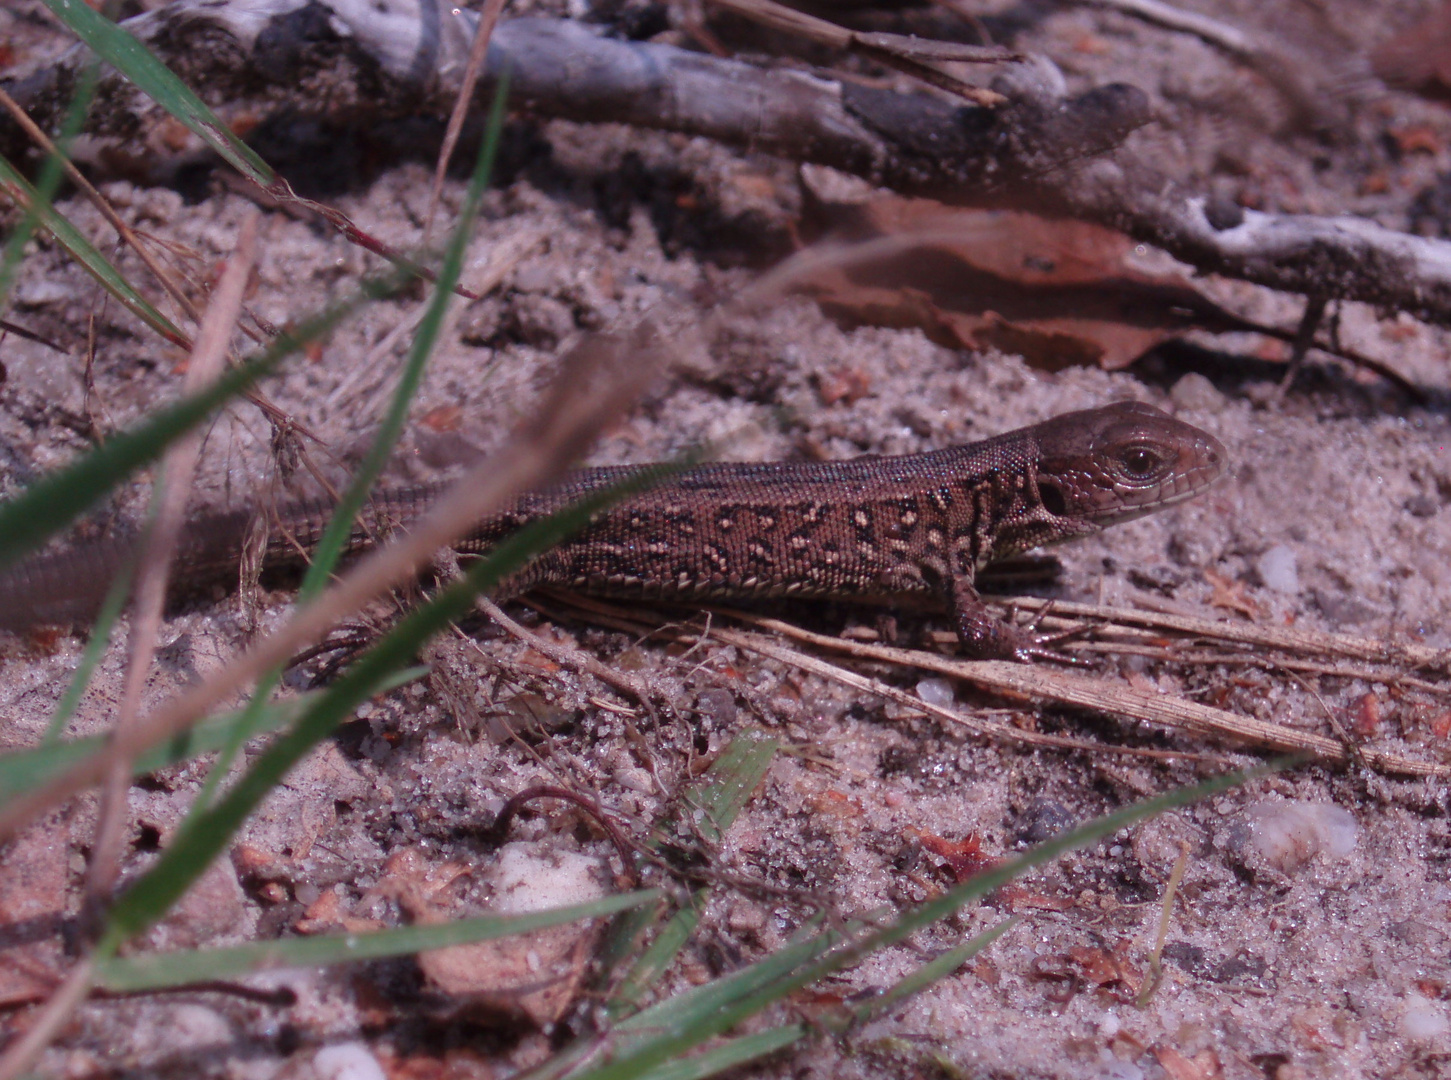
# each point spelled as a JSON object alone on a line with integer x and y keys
{"x": 95, "y": 647}
{"x": 727, "y": 1055}
{"x": 339, "y": 529}
{"x": 179, "y": 968}
{"x": 204, "y": 836}
{"x": 48, "y": 182}
{"x": 32, "y": 203}
{"x": 720, "y": 1006}
{"x": 23, "y": 770}
{"x": 54, "y": 501}
{"x": 132, "y": 59}
{"x": 713, "y": 803}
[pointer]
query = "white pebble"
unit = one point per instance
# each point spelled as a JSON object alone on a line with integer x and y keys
{"x": 347, "y": 1061}
{"x": 1424, "y": 1021}
{"x": 936, "y": 692}
{"x": 1278, "y": 571}
{"x": 1194, "y": 391}
{"x": 1287, "y": 835}
{"x": 1111, "y": 1068}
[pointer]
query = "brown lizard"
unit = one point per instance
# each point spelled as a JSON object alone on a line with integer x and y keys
{"x": 870, "y": 529}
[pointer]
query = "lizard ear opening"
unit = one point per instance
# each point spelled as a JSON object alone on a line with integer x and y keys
{"x": 1051, "y": 496}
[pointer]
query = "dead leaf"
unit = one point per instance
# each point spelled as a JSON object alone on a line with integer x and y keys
{"x": 1419, "y": 57}
{"x": 846, "y": 385}
{"x": 442, "y": 419}
{"x": 534, "y": 976}
{"x": 964, "y": 857}
{"x": 1229, "y": 595}
{"x": 1059, "y": 293}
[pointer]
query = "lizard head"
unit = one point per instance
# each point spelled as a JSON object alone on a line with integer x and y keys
{"x": 1122, "y": 461}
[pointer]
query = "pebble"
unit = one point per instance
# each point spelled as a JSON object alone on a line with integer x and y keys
{"x": 1277, "y": 569}
{"x": 937, "y": 692}
{"x": 1286, "y": 835}
{"x": 1425, "y": 1021}
{"x": 1197, "y": 393}
{"x": 347, "y": 1061}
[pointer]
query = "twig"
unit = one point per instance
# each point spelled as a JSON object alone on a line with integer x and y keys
{"x": 1304, "y": 339}
{"x": 1035, "y": 155}
{"x": 1028, "y": 681}
{"x": 574, "y": 659}
{"x": 1311, "y": 642}
{"x": 173, "y": 486}
{"x": 609, "y": 615}
{"x": 488, "y": 19}
{"x": 910, "y": 55}
{"x": 499, "y": 830}
{"x": 20, "y": 1055}
{"x": 592, "y": 388}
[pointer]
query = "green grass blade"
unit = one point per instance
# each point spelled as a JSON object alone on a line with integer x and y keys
{"x": 203, "y": 838}
{"x": 48, "y": 182}
{"x": 340, "y": 528}
{"x": 713, "y": 805}
{"x": 718, "y": 1007}
{"x": 54, "y": 501}
{"x": 698, "y": 1004}
{"x": 23, "y": 770}
{"x": 132, "y": 59}
{"x": 30, "y": 201}
{"x": 95, "y": 647}
{"x": 339, "y": 531}
{"x": 938, "y": 968}
{"x": 189, "y": 966}
{"x": 727, "y": 1055}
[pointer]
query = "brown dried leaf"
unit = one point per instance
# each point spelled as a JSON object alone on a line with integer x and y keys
{"x": 1419, "y": 57}
{"x": 1203, "y": 1066}
{"x": 1060, "y": 293}
{"x": 533, "y": 976}
{"x": 1231, "y": 595}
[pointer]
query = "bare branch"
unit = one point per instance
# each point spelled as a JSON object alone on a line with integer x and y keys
{"x": 1038, "y": 153}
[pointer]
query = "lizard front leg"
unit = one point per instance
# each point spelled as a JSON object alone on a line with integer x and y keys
{"x": 984, "y": 636}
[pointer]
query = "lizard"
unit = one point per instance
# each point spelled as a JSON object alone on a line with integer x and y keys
{"x": 871, "y": 529}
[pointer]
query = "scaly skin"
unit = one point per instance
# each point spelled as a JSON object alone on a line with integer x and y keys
{"x": 872, "y": 529}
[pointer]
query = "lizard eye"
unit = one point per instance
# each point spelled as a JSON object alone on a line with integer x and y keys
{"x": 1139, "y": 462}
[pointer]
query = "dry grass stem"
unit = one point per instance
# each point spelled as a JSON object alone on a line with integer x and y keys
{"x": 106, "y": 210}
{"x": 576, "y": 660}
{"x": 478, "y": 52}
{"x": 1038, "y": 682}
{"x": 20, "y": 1055}
{"x": 1311, "y": 642}
{"x": 911, "y": 55}
{"x": 173, "y": 487}
{"x": 595, "y": 384}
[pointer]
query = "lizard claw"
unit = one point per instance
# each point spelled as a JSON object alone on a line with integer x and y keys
{"x": 1002, "y": 641}
{"x": 1033, "y": 647}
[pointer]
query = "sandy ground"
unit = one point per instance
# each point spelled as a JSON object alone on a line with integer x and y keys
{"x": 1313, "y": 936}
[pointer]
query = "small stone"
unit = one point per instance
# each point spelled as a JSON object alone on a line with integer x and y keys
{"x": 937, "y": 692}
{"x": 717, "y": 705}
{"x": 1042, "y": 820}
{"x": 1277, "y": 569}
{"x": 1285, "y": 835}
{"x": 1197, "y": 393}
{"x": 635, "y": 779}
{"x": 347, "y": 1061}
{"x": 1422, "y": 506}
{"x": 1222, "y": 212}
{"x": 1425, "y": 1021}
